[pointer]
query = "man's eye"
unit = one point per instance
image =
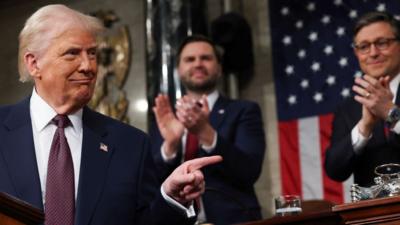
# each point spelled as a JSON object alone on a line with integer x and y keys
{"x": 382, "y": 42}
{"x": 92, "y": 53}
{"x": 363, "y": 46}
{"x": 188, "y": 59}
{"x": 72, "y": 52}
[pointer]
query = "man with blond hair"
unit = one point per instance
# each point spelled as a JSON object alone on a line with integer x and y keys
{"x": 82, "y": 167}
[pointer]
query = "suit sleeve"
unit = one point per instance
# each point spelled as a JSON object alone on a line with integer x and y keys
{"x": 163, "y": 169}
{"x": 340, "y": 156}
{"x": 241, "y": 143}
{"x": 159, "y": 212}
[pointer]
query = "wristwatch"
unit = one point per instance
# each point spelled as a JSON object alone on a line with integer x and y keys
{"x": 393, "y": 116}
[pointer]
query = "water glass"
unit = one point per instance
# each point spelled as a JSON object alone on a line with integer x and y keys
{"x": 287, "y": 205}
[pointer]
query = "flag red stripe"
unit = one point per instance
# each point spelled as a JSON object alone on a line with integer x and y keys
{"x": 333, "y": 191}
{"x": 289, "y": 157}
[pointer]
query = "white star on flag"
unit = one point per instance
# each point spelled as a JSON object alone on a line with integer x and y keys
{"x": 343, "y": 61}
{"x": 285, "y": 11}
{"x": 353, "y": 14}
{"x": 289, "y": 70}
{"x": 328, "y": 50}
{"x": 299, "y": 24}
{"x": 358, "y": 74}
{"x": 287, "y": 40}
{"x": 326, "y": 19}
{"x": 292, "y": 99}
{"x": 315, "y": 66}
{"x": 304, "y": 84}
{"x": 318, "y": 97}
{"x": 311, "y": 6}
{"x": 381, "y": 7}
{"x": 331, "y": 80}
{"x": 313, "y": 36}
{"x": 345, "y": 92}
{"x": 338, "y": 2}
{"x": 301, "y": 54}
{"x": 340, "y": 31}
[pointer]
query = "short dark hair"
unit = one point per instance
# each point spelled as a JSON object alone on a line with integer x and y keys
{"x": 373, "y": 17}
{"x": 197, "y": 38}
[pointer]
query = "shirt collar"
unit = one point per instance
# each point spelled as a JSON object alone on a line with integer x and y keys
{"x": 42, "y": 113}
{"x": 212, "y": 98}
{"x": 393, "y": 85}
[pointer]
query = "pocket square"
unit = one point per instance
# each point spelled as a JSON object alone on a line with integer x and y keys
{"x": 103, "y": 147}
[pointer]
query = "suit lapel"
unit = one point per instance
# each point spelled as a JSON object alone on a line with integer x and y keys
{"x": 96, "y": 154}
{"x": 218, "y": 112}
{"x": 19, "y": 154}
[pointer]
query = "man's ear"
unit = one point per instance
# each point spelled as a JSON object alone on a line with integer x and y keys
{"x": 31, "y": 63}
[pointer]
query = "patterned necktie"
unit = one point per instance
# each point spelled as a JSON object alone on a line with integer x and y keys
{"x": 192, "y": 145}
{"x": 60, "y": 187}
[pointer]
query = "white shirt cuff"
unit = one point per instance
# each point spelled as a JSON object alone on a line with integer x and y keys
{"x": 166, "y": 158}
{"x": 211, "y": 147}
{"x": 358, "y": 140}
{"x": 188, "y": 211}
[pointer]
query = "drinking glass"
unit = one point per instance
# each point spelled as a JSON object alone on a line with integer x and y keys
{"x": 287, "y": 205}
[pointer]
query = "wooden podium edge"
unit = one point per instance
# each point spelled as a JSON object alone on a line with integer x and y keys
{"x": 367, "y": 211}
{"x": 20, "y": 210}
{"x": 366, "y": 204}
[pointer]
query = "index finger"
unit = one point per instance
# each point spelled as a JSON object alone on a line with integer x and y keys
{"x": 199, "y": 163}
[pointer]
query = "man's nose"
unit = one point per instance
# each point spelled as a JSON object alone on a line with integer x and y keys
{"x": 373, "y": 51}
{"x": 86, "y": 65}
{"x": 197, "y": 62}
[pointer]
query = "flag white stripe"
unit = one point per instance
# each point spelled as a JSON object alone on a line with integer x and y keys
{"x": 310, "y": 158}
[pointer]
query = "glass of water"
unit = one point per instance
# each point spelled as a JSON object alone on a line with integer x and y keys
{"x": 286, "y": 205}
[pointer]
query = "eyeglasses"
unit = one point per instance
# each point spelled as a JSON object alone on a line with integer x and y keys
{"x": 381, "y": 44}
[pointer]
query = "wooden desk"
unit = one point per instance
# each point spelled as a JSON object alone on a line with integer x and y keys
{"x": 375, "y": 211}
{"x": 383, "y": 211}
{"x": 326, "y": 217}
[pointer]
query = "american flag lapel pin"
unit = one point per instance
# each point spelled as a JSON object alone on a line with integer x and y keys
{"x": 103, "y": 147}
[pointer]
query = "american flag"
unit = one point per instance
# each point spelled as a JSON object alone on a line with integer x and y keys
{"x": 314, "y": 68}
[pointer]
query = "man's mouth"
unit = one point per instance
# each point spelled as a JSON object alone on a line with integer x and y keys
{"x": 82, "y": 81}
{"x": 199, "y": 73}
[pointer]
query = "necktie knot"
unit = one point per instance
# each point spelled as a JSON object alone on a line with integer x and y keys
{"x": 61, "y": 121}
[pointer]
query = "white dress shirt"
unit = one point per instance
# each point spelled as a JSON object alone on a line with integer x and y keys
{"x": 43, "y": 131}
{"x": 357, "y": 139}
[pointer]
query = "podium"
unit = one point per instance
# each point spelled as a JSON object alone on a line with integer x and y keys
{"x": 325, "y": 217}
{"x": 375, "y": 211}
{"x": 16, "y": 212}
{"x": 383, "y": 211}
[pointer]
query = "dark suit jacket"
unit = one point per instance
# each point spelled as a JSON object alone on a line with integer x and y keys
{"x": 341, "y": 160}
{"x": 115, "y": 187}
{"x": 229, "y": 196}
